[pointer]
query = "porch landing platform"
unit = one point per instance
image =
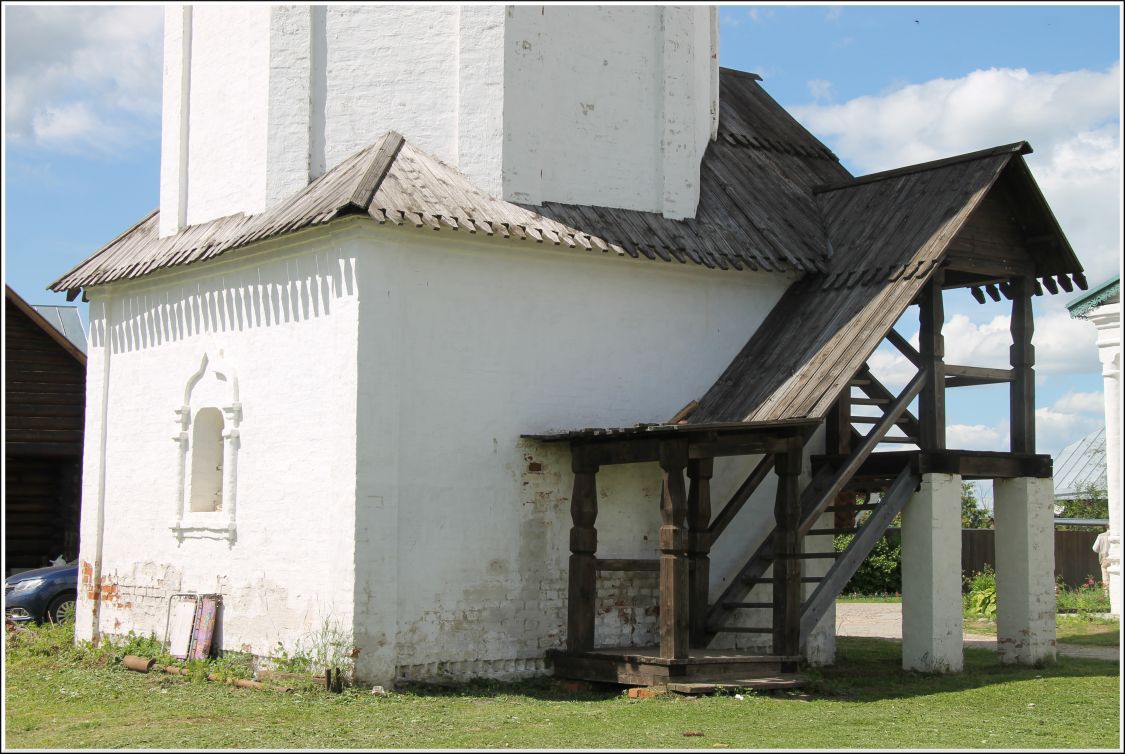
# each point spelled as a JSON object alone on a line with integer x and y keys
{"x": 703, "y": 671}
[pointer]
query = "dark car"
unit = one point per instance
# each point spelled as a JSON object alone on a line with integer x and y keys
{"x": 44, "y": 594}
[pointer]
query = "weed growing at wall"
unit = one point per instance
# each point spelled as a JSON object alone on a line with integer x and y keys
{"x": 329, "y": 647}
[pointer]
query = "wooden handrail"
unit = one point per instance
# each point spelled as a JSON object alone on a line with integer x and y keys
{"x": 814, "y": 501}
{"x": 740, "y": 496}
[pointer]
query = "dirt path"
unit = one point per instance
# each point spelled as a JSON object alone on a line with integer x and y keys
{"x": 884, "y": 620}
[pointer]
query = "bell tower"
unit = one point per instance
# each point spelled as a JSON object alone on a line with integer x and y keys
{"x": 609, "y": 106}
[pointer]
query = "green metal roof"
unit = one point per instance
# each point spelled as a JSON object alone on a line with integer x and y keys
{"x": 1103, "y": 294}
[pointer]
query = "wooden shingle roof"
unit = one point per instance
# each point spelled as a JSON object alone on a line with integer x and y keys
{"x": 889, "y": 233}
{"x": 755, "y": 210}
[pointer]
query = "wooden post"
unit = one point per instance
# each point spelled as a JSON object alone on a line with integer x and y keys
{"x": 931, "y": 347}
{"x": 582, "y": 589}
{"x": 699, "y": 545}
{"x": 838, "y": 425}
{"x": 1023, "y": 369}
{"x": 674, "y": 627}
{"x": 786, "y": 566}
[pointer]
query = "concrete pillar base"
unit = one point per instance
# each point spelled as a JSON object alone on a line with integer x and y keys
{"x": 1025, "y": 570}
{"x": 820, "y": 644}
{"x": 932, "y": 633}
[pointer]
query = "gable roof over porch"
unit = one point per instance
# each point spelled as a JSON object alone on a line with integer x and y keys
{"x": 889, "y": 232}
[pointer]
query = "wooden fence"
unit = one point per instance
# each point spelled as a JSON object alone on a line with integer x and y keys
{"x": 1075, "y": 559}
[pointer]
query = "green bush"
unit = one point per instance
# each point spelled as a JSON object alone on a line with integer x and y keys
{"x": 980, "y": 597}
{"x": 880, "y": 573}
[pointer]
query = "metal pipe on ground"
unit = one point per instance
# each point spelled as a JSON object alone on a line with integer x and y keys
{"x": 138, "y": 664}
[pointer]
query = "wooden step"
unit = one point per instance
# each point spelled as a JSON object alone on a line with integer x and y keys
{"x": 747, "y": 605}
{"x": 874, "y": 420}
{"x": 903, "y": 440}
{"x": 813, "y": 532}
{"x": 769, "y": 580}
{"x": 869, "y": 401}
{"x": 741, "y": 630}
{"x": 760, "y": 683}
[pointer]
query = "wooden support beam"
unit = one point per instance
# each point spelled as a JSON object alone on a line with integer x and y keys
{"x": 931, "y": 401}
{"x": 837, "y": 425}
{"x": 877, "y": 391}
{"x": 582, "y": 584}
{"x": 957, "y": 375}
{"x": 674, "y": 609}
{"x": 740, "y": 496}
{"x": 1023, "y": 369}
{"x": 699, "y": 546}
{"x": 786, "y": 546}
{"x": 904, "y": 347}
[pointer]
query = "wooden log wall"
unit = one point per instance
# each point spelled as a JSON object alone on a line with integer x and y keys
{"x": 41, "y": 510}
{"x": 45, "y": 392}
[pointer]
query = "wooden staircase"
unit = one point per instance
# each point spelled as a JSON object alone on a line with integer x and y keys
{"x": 819, "y": 496}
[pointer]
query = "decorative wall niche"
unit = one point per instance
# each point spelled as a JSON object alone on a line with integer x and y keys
{"x": 207, "y": 449}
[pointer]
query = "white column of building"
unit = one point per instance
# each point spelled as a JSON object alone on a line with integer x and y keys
{"x": 1107, "y": 319}
{"x": 932, "y": 633}
{"x": 1025, "y": 569}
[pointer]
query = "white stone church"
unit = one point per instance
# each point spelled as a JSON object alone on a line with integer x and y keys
{"x": 453, "y": 320}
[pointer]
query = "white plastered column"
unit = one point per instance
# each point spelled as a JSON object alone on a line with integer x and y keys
{"x": 820, "y": 645}
{"x": 932, "y": 630}
{"x": 1107, "y": 318}
{"x": 1025, "y": 570}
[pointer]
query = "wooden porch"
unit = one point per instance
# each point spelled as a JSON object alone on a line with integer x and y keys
{"x": 900, "y": 238}
{"x": 690, "y": 617}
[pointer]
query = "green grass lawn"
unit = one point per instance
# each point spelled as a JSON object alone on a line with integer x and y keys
{"x": 58, "y": 700}
{"x": 1094, "y": 632}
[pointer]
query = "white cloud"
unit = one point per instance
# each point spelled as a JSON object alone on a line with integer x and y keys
{"x": 758, "y": 15}
{"x": 71, "y": 71}
{"x": 1081, "y": 403}
{"x": 976, "y": 437}
{"x": 891, "y": 368}
{"x": 983, "y": 345}
{"x": 834, "y": 12}
{"x": 1062, "y": 345}
{"x": 1054, "y": 430}
{"x": 1071, "y": 120}
{"x": 820, "y": 89}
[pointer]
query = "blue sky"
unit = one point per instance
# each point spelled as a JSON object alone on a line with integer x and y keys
{"x": 882, "y": 85}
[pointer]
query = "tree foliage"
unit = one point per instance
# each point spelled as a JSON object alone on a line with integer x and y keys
{"x": 1089, "y": 501}
{"x": 972, "y": 515}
